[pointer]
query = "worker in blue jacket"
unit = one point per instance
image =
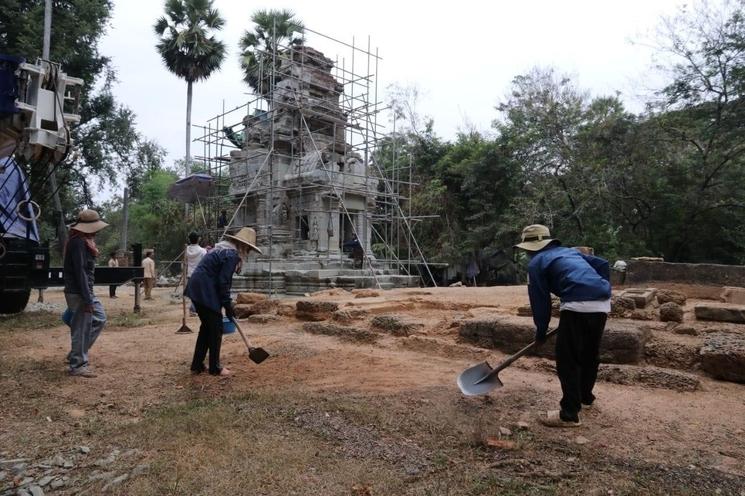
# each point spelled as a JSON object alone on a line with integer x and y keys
{"x": 582, "y": 283}
{"x": 209, "y": 290}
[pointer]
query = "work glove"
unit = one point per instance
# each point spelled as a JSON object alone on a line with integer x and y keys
{"x": 540, "y": 337}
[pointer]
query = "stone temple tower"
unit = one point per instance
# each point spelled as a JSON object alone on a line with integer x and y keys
{"x": 306, "y": 189}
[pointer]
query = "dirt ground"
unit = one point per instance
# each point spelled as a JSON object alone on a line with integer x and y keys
{"x": 327, "y": 416}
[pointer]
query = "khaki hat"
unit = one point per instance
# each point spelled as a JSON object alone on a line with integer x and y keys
{"x": 535, "y": 237}
{"x": 88, "y": 222}
{"x": 247, "y": 236}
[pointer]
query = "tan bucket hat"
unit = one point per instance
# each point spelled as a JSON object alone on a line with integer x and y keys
{"x": 247, "y": 236}
{"x": 535, "y": 237}
{"x": 88, "y": 222}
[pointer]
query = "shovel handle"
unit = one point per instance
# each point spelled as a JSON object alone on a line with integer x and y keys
{"x": 235, "y": 321}
{"x": 510, "y": 359}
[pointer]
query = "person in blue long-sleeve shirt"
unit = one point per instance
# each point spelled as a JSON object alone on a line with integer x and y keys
{"x": 209, "y": 290}
{"x": 582, "y": 283}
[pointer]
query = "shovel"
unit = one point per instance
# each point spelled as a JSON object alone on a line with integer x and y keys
{"x": 184, "y": 329}
{"x": 257, "y": 355}
{"x": 482, "y": 379}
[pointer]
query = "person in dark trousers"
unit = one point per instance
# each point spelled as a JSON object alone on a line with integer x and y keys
{"x": 358, "y": 253}
{"x": 88, "y": 316}
{"x": 113, "y": 262}
{"x": 582, "y": 282}
{"x": 209, "y": 290}
{"x": 222, "y": 220}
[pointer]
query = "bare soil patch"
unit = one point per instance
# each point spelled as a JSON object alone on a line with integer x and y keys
{"x": 329, "y": 416}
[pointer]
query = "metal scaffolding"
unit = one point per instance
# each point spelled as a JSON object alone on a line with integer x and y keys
{"x": 303, "y": 122}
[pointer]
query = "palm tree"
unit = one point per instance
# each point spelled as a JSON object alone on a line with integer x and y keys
{"x": 274, "y": 29}
{"x": 188, "y": 47}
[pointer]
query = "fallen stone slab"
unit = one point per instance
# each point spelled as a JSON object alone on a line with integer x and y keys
{"x": 622, "y": 342}
{"x": 720, "y": 312}
{"x": 733, "y": 295}
{"x": 394, "y": 324}
{"x": 641, "y": 296}
{"x": 342, "y": 332}
{"x": 250, "y": 298}
{"x": 315, "y": 311}
{"x": 346, "y": 315}
{"x": 671, "y": 312}
{"x": 670, "y": 295}
{"x": 243, "y": 311}
{"x": 654, "y": 377}
{"x": 723, "y": 356}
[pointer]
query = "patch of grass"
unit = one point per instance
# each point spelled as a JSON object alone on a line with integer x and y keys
{"x": 42, "y": 319}
{"x": 128, "y": 319}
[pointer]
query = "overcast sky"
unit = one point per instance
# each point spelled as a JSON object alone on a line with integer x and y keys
{"x": 461, "y": 56}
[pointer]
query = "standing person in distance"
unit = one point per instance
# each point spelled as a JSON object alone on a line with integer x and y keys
{"x": 194, "y": 255}
{"x": 209, "y": 290}
{"x": 113, "y": 262}
{"x": 582, "y": 282}
{"x": 149, "y": 274}
{"x": 88, "y": 316}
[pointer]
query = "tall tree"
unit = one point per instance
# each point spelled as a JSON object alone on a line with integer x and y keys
{"x": 702, "y": 115}
{"x": 274, "y": 30}
{"x": 105, "y": 138}
{"x": 189, "y": 48}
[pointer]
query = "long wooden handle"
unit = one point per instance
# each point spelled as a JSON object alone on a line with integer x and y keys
{"x": 510, "y": 359}
{"x": 248, "y": 346}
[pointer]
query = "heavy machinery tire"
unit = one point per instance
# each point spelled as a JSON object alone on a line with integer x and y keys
{"x": 13, "y": 301}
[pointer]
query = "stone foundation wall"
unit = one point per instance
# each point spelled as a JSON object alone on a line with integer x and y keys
{"x": 640, "y": 271}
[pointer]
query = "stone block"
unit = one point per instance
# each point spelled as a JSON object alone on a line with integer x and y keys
{"x": 243, "y": 311}
{"x": 621, "y": 306}
{"x": 671, "y": 312}
{"x": 669, "y": 295}
{"x": 733, "y": 295}
{"x": 250, "y": 298}
{"x": 347, "y": 315}
{"x": 720, "y": 312}
{"x": 641, "y": 296}
{"x": 723, "y": 356}
{"x": 394, "y": 324}
{"x": 648, "y": 376}
{"x": 342, "y": 332}
{"x": 315, "y": 310}
{"x": 622, "y": 343}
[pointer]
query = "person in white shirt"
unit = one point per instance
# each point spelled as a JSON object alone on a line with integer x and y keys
{"x": 194, "y": 255}
{"x": 149, "y": 274}
{"x": 113, "y": 262}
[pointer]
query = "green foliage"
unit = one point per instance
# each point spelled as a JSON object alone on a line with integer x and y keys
{"x": 186, "y": 45}
{"x": 154, "y": 220}
{"x": 273, "y": 31}
{"x": 107, "y": 144}
{"x": 665, "y": 183}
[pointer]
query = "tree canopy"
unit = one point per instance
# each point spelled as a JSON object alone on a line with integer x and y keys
{"x": 274, "y": 29}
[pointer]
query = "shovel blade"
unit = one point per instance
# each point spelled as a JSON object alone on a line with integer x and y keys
{"x": 257, "y": 355}
{"x": 472, "y": 383}
{"x": 184, "y": 329}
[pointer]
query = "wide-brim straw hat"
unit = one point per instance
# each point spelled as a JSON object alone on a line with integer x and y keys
{"x": 88, "y": 222}
{"x": 535, "y": 238}
{"x": 247, "y": 236}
